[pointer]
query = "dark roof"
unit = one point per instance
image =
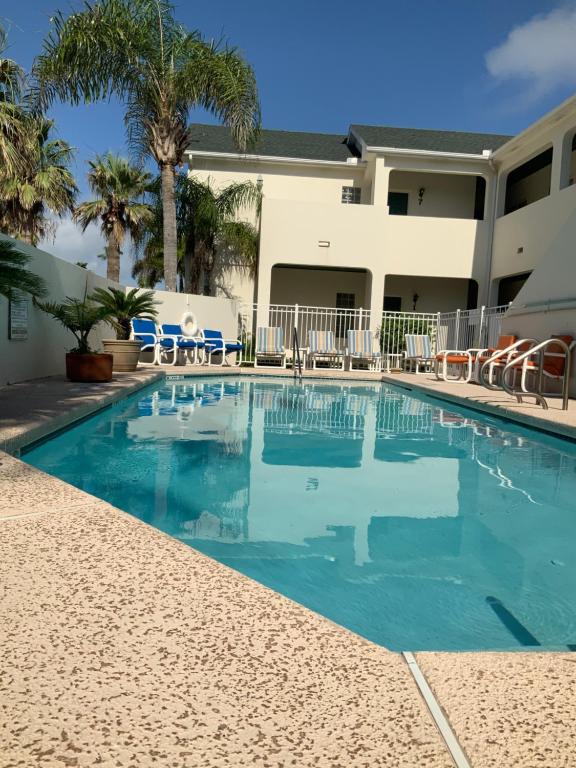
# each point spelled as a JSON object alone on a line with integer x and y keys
{"x": 309, "y": 146}
{"x": 436, "y": 141}
{"x": 330, "y": 146}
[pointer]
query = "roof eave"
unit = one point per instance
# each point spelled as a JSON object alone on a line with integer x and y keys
{"x": 276, "y": 159}
{"x": 484, "y": 157}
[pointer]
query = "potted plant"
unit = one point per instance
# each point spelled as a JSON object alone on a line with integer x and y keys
{"x": 122, "y": 308}
{"x": 80, "y": 317}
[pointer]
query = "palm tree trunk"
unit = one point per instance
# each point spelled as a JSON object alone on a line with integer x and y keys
{"x": 113, "y": 259}
{"x": 169, "y": 222}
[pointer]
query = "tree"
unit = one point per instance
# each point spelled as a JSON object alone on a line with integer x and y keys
{"x": 211, "y": 239}
{"x": 41, "y": 183}
{"x": 11, "y": 129}
{"x": 14, "y": 277}
{"x": 125, "y": 307}
{"x": 118, "y": 186}
{"x": 136, "y": 50}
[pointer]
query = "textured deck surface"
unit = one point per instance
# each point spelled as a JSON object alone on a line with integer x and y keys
{"x": 123, "y": 647}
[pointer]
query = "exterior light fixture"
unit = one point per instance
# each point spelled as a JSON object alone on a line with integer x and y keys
{"x": 421, "y": 195}
{"x": 324, "y": 243}
{"x": 260, "y": 182}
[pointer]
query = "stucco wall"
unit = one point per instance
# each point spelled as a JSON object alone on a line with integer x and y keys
{"x": 42, "y": 354}
{"x": 322, "y": 184}
{"x": 542, "y": 230}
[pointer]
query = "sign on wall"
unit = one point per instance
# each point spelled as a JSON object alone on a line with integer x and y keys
{"x": 18, "y": 320}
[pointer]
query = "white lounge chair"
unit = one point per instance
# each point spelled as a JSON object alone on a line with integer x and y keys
{"x": 418, "y": 352}
{"x": 321, "y": 348}
{"x": 361, "y": 350}
{"x": 270, "y": 348}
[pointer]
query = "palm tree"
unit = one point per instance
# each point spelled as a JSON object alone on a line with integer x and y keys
{"x": 14, "y": 277}
{"x": 136, "y": 50}
{"x": 41, "y": 183}
{"x": 214, "y": 237}
{"x": 211, "y": 240}
{"x": 11, "y": 128}
{"x": 118, "y": 186}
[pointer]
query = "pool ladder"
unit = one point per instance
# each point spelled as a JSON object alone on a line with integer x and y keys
{"x": 296, "y": 361}
{"x": 511, "y": 365}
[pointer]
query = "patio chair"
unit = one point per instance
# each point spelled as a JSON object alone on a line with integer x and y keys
{"x": 147, "y": 334}
{"x": 321, "y": 348}
{"x": 447, "y": 359}
{"x": 361, "y": 351}
{"x": 418, "y": 352}
{"x": 504, "y": 342}
{"x": 270, "y": 347}
{"x": 556, "y": 364}
{"x": 216, "y": 344}
{"x": 175, "y": 341}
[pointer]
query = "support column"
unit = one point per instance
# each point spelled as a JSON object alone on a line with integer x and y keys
{"x": 376, "y": 300}
{"x": 381, "y": 184}
{"x": 560, "y": 173}
{"x": 263, "y": 296}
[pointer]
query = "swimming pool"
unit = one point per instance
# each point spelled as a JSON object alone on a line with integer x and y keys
{"x": 418, "y": 526}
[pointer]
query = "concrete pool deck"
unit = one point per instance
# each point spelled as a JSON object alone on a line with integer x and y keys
{"x": 124, "y": 647}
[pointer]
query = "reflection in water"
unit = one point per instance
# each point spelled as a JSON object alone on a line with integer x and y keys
{"x": 417, "y": 526}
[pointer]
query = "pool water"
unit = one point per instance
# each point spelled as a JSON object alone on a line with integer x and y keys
{"x": 418, "y": 526}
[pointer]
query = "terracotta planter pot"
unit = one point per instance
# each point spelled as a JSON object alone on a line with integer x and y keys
{"x": 88, "y": 367}
{"x": 125, "y": 353}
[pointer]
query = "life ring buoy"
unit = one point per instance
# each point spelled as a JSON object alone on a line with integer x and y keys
{"x": 189, "y": 324}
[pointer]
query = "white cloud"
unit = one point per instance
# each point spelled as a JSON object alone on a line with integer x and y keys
{"x": 541, "y": 52}
{"x": 71, "y": 244}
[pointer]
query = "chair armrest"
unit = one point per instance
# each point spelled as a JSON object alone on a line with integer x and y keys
{"x": 453, "y": 352}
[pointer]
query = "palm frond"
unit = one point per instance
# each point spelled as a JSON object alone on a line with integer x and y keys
{"x": 14, "y": 277}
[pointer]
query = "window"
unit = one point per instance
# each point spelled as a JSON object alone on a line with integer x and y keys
{"x": 392, "y": 303}
{"x": 398, "y": 203}
{"x": 351, "y": 195}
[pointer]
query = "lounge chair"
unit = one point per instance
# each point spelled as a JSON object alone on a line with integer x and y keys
{"x": 361, "y": 351}
{"x": 321, "y": 348}
{"x": 174, "y": 341}
{"x": 447, "y": 359}
{"x": 504, "y": 342}
{"x": 216, "y": 344}
{"x": 554, "y": 366}
{"x": 147, "y": 334}
{"x": 418, "y": 352}
{"x": 270, "y": 347}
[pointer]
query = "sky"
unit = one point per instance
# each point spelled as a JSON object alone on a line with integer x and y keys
{"x": 471, "y": 65}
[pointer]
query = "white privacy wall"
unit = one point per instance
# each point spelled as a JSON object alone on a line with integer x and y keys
{"x": 42, "y": 354}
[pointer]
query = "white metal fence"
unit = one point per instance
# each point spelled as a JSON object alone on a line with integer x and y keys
{"x": 462, "y": 329}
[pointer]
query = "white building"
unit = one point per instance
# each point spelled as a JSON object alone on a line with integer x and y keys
{"x": 401, "y": 218}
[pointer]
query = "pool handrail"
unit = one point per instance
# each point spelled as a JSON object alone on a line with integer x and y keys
{"x": 498, "y": 358}
{"x": 540, "y": 349}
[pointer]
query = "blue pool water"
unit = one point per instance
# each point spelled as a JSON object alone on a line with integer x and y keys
{"x": 416, "y": 525}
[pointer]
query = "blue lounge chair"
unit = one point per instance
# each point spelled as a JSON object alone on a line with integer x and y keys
{"x": 215, "y": 344}
{"x": 174, "y": 341}
{"x": 146, "y": 333}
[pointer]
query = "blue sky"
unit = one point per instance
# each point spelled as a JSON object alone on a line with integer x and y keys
{"x": 481, "y": 65}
